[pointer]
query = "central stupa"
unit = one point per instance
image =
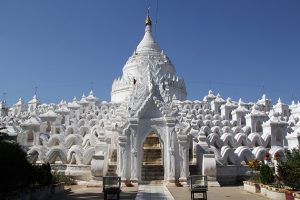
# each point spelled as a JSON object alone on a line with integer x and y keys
{"x": 148, "y": 64}
{"x": 150, "y": 132}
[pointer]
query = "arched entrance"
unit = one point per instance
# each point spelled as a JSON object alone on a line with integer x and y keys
{"x": 153, "y": 159}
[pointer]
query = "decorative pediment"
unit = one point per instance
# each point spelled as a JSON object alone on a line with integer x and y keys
{"x": 150, "y": 110}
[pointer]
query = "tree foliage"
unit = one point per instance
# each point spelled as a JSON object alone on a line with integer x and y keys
{"x": 58, "y": 178}
{"x": 19, "y": 173}
{"x": 42, "y": 174}
{"x": 289, "y": 170}
{"x": 14, "y": 166}
{"x": 266, "y": 174}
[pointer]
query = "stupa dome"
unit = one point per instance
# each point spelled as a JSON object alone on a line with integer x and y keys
{"x": 148, "y": 62}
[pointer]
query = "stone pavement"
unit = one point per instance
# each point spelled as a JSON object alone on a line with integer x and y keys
{"x": 156, "y": 192}
{"x": 215, "y": 193}
{"x": 80, "y": 192}
{"x": 148, "y": 192}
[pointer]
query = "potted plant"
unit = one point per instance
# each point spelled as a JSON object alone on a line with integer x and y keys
{"x": 252, "y": 185}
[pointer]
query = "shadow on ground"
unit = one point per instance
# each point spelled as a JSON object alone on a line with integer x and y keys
{"x": 90, "y": 193}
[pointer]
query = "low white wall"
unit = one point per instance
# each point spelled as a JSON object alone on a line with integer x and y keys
{"x": 251, "y": 187}
{"x": 264, "y": 190}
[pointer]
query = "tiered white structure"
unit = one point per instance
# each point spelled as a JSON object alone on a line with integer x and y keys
{"x": 149, "y": 124}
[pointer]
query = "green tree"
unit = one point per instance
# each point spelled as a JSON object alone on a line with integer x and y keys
{"x": 14, "y": 166}
{"x": 289, "y": 170}
{"x": 266, "y": 174}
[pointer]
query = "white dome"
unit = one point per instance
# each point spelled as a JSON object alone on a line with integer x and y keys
{"x": 148, "y": 62}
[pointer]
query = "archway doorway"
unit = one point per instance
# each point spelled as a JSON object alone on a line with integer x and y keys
{"x": 153, "y": 159}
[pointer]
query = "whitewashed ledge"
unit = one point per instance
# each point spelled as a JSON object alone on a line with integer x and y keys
{"x": 38, "y": 193}
{"x": 251, "y": 187}
{"x": 268, "y": 191}
{"x": 296, "y": 195}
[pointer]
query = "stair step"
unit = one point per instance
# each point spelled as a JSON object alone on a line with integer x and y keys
{"x": 153, "y": 175}
{"x": 153, "y": 178}
{"x": 113, "y": 157}
{"x": 154, "y": 161}
{"x": 154, "y": 147}
{"x": 152, "y": 151}
{"x": 111, "y": 171}
{"x": 152, "y": 172}
{"x": 151, "y": 182}
{"x": 153, "y": 166}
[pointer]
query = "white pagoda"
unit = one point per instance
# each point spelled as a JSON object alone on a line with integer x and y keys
{"x": 149, "y": 131}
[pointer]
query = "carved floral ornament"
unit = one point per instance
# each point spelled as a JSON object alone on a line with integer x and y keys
{"x": 134, "y": 151}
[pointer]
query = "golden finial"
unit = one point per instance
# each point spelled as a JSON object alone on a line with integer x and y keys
{"x": 148, "y": 21}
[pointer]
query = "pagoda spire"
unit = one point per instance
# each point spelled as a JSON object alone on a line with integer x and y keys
{"x": 148, "y": 21}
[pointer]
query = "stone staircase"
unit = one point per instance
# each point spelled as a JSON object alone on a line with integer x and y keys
{"x": 152, "y": 156}
{"x": 112, "y": 167}
{"x": 152, "y": 172}
{"x": 152, "y": 169}
{"x": 152, "y": 150}
{"x": 113, "y": 157}
{"x": 111, "y": 171}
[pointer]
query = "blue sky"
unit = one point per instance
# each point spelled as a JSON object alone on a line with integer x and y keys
{"x": 234, "y": 47}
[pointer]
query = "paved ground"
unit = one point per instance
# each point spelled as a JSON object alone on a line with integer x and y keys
{"x": 148, "y": 192}
{"x": 215, "y": 193}
{"x": 79, "y": 192}
{"x": 156, "y": 193}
